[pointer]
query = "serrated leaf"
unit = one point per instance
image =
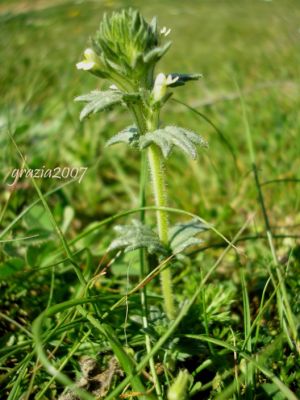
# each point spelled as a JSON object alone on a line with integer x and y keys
{"x": 183, "y": 78}
{"x": 128, "y": 135}
{"x": 182, "y": 235}
{"x": 99, "y": 100}
{"x": 170, "y": 136}
{"x": 136, "y": 236}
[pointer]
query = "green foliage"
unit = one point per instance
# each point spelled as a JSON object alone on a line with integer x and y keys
{"x": 136, "y": 236}
{"x": 128, "y": 135}
{"x": 166, "y": 138}
{"x": 170, "y": 136}
{"x": 10, "y": 267}
{"x": 219, "y": 299}
{"x": 182, "y": 235}
{"x": 99, "y": 101}
{"x": 180, "y": 387}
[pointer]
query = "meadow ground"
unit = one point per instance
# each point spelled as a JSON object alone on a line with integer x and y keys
{"x": 237, "y": 332}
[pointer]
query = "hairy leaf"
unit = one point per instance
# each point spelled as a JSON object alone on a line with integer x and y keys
{"x": 99, "y": 100}
{"x": 136, "y": 236}
{"x": 128, "y": 135}
{"x": 182, "y": 235}
{"x": 170, "y": 136}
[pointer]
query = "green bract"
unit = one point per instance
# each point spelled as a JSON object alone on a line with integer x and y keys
{"x": 129, "y": 46}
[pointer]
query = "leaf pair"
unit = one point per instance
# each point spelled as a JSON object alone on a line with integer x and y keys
{"x": 166, "y": 139}
{"x": 182, "y": 235}
{"x": 137, "y": 235}
{"x": 170, "y": 136}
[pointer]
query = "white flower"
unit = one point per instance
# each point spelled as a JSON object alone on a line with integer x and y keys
{"x": 160, "y": 85}
{"x": 164, "y": 31}
{"x": 171, "y": 80}
{"x": 89, "y": 62}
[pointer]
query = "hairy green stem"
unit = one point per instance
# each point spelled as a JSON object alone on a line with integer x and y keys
{"x": 158, "y": 183}
{"x": 141, "y": 124}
